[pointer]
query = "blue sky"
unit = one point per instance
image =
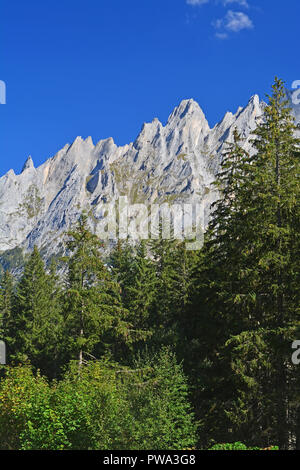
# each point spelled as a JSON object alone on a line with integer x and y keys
{"x": 103, "y": 67}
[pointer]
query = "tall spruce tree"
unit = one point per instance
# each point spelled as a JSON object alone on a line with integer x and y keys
{"x": 6, "y": 309}
{"x": 121, "y": 261}
{"x": 276, "y": 184}
{"x": 172, "y": 263}
{"x": 211, "y": 320}
{"x": 95, "y": 318}
{"x": 142, "y": 288}
{"x": 37, "y": 317}
{"x": 252, "y": 275}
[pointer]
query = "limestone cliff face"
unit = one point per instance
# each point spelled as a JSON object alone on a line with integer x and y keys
{"x": 172, "y": 163}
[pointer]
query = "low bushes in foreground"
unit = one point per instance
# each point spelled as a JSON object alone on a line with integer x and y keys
{"x": 239, "y": 446}
{"x": 99, "y": 406}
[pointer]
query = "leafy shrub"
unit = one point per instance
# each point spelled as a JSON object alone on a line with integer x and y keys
{"x": 101, "y": 406}
{"x": 238, "y": 446}
{"x": 27, "y": 418}
{"x": 160, "y": 406}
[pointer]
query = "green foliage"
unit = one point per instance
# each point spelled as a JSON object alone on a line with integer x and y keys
{"x": 95, "y": 318}
{"x": 239, "y": 446}
{"x": 173, "y": 266}
{"x": 27, "y": 419}
{"x": 248, "y": 284}
{"x": 6, "y": 308}
{"x": 160, "y": 405}
{"x": 104, "y": 407}
{"x": 229, "y": 312}
{"x": 11, "y": 260}
{"x": 135, "y": 273}
{"x": 37, "y": 326}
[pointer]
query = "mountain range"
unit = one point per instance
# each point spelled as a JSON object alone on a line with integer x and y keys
{"x": 172, "y": 163}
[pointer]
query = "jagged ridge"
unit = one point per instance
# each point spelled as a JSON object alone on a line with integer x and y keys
{"x": 172, "y": 163}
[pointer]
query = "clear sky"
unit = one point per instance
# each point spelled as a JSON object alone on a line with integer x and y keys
{"x": 103, "y": 67}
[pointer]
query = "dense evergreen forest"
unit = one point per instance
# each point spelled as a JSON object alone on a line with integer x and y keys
{"x": 158, "y": 347}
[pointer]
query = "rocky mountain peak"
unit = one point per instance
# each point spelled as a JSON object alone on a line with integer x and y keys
{"x": 188, "y": 111}
{"x": 28, "y": 165}
{"x": 174, "y": 163}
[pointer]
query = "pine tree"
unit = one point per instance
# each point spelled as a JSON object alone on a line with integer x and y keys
{"x": 276, "y": 181}
{"x": 6, "y": 308}
{"x": 134, "y": 269}
{"x": 172, "y": 264}
{"x": 210, "y": 318}
{"x": 142, "y": 288}
{"x": 121, "y": 261}
{"x": 252, "y": 275}
{"x": 96, "y": 320}
{"x": 37, "y": 318}
{"x": 162, "y": 414}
